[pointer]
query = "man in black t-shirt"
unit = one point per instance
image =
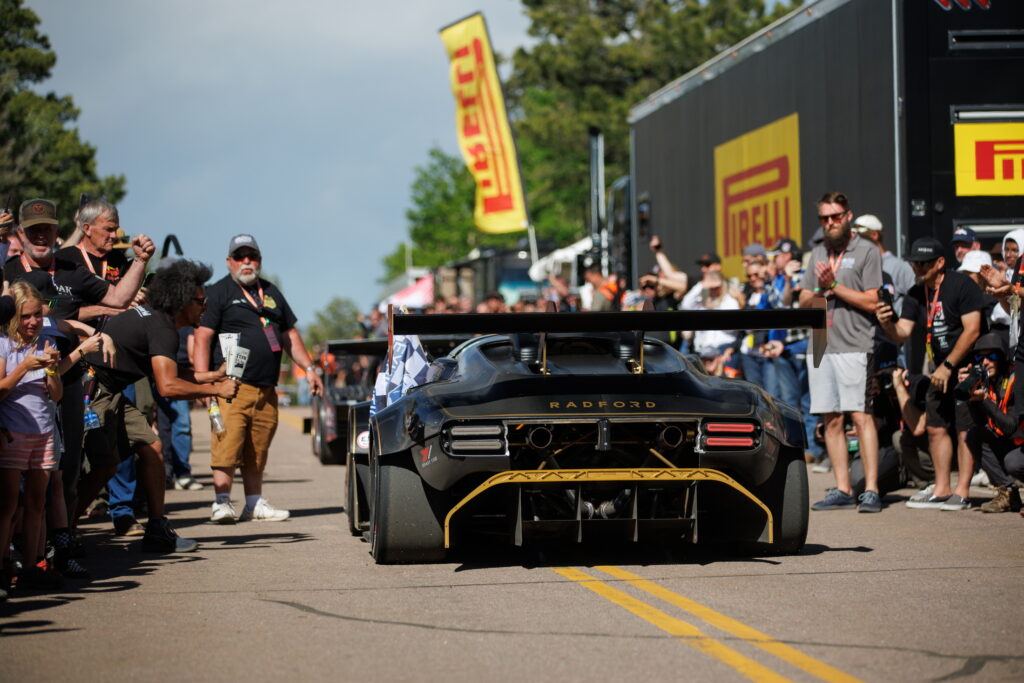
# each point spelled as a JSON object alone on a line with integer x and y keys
{"x": 951, "y": 304}
{"x": 146, "y": 338}
{"x": 98, "y": 222}
{"x": 248, "y": 312}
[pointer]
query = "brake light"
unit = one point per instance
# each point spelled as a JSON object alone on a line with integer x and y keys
{"x": 732, "y": 442}
{"x": 729, "y": 428}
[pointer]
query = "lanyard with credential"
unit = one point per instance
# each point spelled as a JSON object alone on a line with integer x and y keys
{"x": 933, "y": 308}
{"x": 29, "y": 267}
{"x": 88, "y": 263}
{"x": 830, "y": 303}
{"x": 268, "y": 331}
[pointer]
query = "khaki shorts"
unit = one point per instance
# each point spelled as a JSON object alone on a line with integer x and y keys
{"x": 250, "y": 421}
{"x": 124, "y": 429}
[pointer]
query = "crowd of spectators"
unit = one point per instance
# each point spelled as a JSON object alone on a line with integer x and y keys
{"x": 98, "y": 371}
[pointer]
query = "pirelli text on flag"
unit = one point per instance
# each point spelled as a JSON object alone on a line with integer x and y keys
{"x": 481, "y": 121}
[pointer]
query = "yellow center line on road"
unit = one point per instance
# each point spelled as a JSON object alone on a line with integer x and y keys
{"x": 290, "y": 419}
{"x": 736, "y": 628}
{"x": 687, "y": 633}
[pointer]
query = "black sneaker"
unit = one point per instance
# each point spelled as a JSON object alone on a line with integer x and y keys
{"x": 161, "y": 538}
{"x": 835, "y": 500}
{"x": 67, "y": 566}
{"x": 127, "y": 526}
{"x": 38, "y": 579}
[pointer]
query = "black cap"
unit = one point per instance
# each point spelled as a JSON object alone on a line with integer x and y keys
{"x": 707, "y": 258}
{"x": 964, "y": 234}
{"x": 925, "y": 249}
{"x": 786, "y": 246}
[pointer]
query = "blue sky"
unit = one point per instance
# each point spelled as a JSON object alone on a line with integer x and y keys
{"x": 298, "y": 122}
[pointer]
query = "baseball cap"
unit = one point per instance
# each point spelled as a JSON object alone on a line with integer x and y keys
{"x": 239, "y": 241}
{"x": 755, "y": 249}
{"x": 964, "y": 234}
{"x": 36, "y": 212}
{"x": 868, "y": 221}
{"x": 818, "y": 237}
{"x": 925, "y": 249}
{"x": 707, "y": 258}
{"x": 974, "y": 260}
{"x": 786, "y": 246}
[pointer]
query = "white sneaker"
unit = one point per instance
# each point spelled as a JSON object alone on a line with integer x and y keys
{"x": 263, "y": 512}
{"x": 223, "y": 513}
{"x": 824, "y": 465}
{"x": 187, "y": 483}
{"x": 922, "y": 496}
{"x": 980, "y": 479}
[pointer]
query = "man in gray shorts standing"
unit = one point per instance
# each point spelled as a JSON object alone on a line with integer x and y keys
{"x": 846, "y": 270}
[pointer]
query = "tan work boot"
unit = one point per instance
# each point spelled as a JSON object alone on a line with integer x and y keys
{"x": 1007, "y": 500}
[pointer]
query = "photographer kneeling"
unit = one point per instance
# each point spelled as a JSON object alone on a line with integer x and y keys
{"x": 995, "y": 439}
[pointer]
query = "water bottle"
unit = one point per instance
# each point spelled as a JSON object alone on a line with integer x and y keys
{"x": 92, "y": 420}
{"x": 216, "y": 419}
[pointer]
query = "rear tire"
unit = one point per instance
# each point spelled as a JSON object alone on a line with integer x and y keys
{"x": 785, "y": 493}
{"x": 406, "y": 519}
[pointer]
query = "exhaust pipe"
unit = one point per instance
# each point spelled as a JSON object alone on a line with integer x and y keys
{"x": 670, "y": 437}
{"x": 539, "y": 438}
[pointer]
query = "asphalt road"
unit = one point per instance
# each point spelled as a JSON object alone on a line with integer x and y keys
{"x": 908, "y": 595}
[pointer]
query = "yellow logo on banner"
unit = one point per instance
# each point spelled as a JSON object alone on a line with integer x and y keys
{"x": 989, "y": 158}
{"x": 757, "y": 190}
{"x": 485, "y": 136}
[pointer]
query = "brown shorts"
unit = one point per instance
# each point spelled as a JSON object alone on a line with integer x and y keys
{"x": 124, "y": 429}
{"x": 250, "y": 421}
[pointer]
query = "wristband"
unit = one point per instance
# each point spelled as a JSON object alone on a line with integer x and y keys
{"x": 51, "y": 371}
{"x": 833, "y": 285}
{"x": 946, "y": 364}
{"x": 310, "y": 369}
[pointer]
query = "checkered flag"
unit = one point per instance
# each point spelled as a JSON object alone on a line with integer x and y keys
{"x": 408, "y": 369}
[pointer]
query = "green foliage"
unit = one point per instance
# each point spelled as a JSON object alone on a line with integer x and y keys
{"x": 41, "y": 154}
{"x": 595, "y": 59}
{"x": 338, "y": 320}
{"x": 441, "y": 225}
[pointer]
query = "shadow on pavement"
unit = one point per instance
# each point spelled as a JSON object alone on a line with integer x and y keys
{"x": 252, "y": 540}
{"x": 30, "y": 628}
{"x": 631, "y": 554}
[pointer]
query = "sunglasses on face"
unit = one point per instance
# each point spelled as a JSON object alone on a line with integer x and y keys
{"x": 241, "y": 256}
{"x": 830, "y": 217}
{"x": 992, "y": 356}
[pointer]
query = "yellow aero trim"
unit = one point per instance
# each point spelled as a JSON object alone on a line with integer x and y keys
{"x": 661, "y": 474}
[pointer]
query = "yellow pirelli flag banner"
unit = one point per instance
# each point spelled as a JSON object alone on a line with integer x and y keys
{"x": 989, "y": 159}
{"x": 485, "y": 136}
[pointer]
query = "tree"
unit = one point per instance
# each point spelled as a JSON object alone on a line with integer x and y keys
{"x": 593, "y": 60}
{"x": 441, "y": 225}
{"x": 339, "y": 320}
{"x": 41, "y": 154}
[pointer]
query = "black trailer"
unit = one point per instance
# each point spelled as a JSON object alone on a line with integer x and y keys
{"x": 913, "y": 108}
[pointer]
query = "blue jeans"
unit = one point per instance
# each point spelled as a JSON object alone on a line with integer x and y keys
{"x": 122, "y": 486}
{"x": 761, "y": 371}
{"x": 174, "y": 425}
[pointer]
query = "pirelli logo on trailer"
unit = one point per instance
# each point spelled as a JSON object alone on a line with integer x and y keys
{"x": 757, "y": 189}
{"x": 989, "y": 158}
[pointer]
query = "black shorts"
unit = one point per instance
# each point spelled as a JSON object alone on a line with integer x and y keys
{"x": 940, "y": 406}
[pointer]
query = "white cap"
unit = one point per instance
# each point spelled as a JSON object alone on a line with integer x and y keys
{"x": 868, "y": 221}
{"x": 974, "y": 260}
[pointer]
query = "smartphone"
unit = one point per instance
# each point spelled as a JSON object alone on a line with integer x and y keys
{"x": 885, "y": 296}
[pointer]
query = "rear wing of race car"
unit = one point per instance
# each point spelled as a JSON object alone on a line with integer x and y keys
{"x": 435, "y": 344}
{"x": 636, "y": 322}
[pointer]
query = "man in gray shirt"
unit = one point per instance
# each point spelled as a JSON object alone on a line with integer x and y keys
{"x": 846, "y": 270}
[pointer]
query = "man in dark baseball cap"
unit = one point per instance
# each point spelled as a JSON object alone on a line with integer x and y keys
{"x": 964, "y": 240}
{"x": 708, "y": 258}
{"x": 243, "y": 242}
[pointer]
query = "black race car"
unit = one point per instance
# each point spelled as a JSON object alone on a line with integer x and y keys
{"x": 562, "y": 426}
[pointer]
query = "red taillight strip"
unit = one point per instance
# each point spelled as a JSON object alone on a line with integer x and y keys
{"x": 726, "y": 441}
{"x": 732, "y": 427}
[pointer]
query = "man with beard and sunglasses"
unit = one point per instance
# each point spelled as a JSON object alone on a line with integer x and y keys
{"x": 248, "y": 312}
{"x": 846, "y": 270}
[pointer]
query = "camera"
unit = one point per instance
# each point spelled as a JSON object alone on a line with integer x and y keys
{"x": 975, "y": 376}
